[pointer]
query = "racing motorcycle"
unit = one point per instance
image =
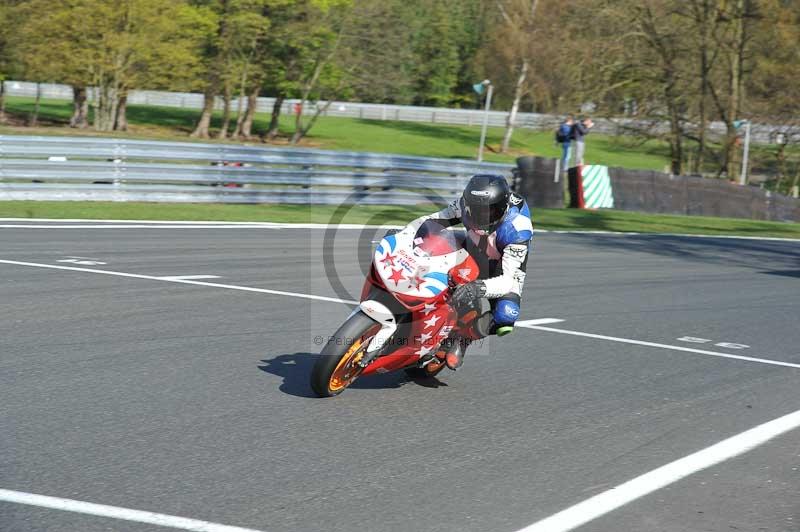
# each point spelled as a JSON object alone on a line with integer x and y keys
{"x": 404, "y": 313}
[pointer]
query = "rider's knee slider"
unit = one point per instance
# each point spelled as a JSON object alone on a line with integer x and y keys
{"x": 506, "y": 313}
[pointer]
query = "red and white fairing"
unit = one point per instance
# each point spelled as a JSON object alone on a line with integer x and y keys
{"x": 417, "y": 271}
{"x": 417, "y": 268}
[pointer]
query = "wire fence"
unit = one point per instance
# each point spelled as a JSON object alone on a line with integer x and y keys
{"x": 761, "y": 133}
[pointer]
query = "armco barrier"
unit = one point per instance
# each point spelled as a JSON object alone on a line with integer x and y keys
{"x": 86, "y": 168}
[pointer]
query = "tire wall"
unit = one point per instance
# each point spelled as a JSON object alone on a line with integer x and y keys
{"x": 647, "y": 191}
{"x": 536, "y": 181}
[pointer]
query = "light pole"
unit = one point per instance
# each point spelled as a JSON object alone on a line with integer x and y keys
{"x": 484, "y": 83}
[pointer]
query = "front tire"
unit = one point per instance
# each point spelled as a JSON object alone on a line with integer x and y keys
{"x": 337, "y": 366}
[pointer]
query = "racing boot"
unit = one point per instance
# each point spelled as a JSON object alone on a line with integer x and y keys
{"x": 452, "y": 351}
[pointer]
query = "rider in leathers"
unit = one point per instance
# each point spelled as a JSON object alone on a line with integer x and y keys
{"x": 499, "y": 234}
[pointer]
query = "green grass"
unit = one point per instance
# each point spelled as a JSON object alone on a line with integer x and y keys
{"x": 554, "y": 219}
{"x": 411, "y": 138}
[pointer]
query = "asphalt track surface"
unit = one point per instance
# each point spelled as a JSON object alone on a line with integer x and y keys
{"x": 192, "y": 400}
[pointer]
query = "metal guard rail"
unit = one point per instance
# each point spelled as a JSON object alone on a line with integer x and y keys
{"x": 97, "y": 169}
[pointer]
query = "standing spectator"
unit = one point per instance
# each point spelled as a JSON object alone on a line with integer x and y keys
{"x": 579, "y": 130}
{"x": 564, "y": 137}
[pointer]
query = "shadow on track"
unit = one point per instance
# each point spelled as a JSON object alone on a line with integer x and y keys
{"x": 295, "y": 370}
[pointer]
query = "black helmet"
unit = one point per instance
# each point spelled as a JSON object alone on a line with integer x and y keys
{"x": 485, "y": 202}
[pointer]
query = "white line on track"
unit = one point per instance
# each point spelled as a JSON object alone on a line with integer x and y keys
{"x": 538, "y": 321}
{"x": 181, "y": 281}
{"x": 620, "y": 233}
{"x": 610, "y": 500}
{"x": 137, "y": 226}
{"x": 115, "y": 512}
{"x": 124, "y": 224}
{"x": 158, "y": 222}
{"x": 187, "y": 277}
{"x": 76, "y": 223}
{"x": 529, "y": 324}
{"x": 664, "y": 346}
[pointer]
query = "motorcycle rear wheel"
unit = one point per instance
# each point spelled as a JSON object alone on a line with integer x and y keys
{"x": 337, "y": 366}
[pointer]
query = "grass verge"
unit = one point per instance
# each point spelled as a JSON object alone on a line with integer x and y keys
{"x": 351, "y": 134}
{"x": 554, "y": 219}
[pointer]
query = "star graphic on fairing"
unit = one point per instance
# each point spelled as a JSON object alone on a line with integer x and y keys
{"x": 424, "y": 351}
{"x": 464, "y": 273}
{"x": 415, "y": 282}
{"x": 389, "y": 258}
{"x": 424, "y": 337}
{"x": 428, "y": 309}
{"x": 397, "y": 276}
{"x": 432, "y": 322}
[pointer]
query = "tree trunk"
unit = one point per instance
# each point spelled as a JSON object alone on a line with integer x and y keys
{"x": 671, "y": 98}
{"x": 247, "y": 124}
{"x": 33, "y": 120}
{"x": 299, "y": 133}
{"x": 237, "y": 132}
{"x": 226, "y": 111}
{"x": 121, "y": 123}
{"x": 96, "y": 107}
{"x": 300, "y": 130}
{"x": 274, "y": 121}
{"x": 795, "y": 180}
{"x": 675, "y": 142}
{"x": 2, "y": 101}
{"x": 106, "y": 103}
{"x": 735, "y": 87}
{"x": 697, "y": 166}
{"x": 80, "y": 108}
{"x": 204, "y": 123}
{"x": 240, "y": 112}
{"x": 512, "y": 116}
{"x": 703, "y": 13}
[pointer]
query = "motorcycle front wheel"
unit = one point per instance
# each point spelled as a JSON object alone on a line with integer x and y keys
{"x": 337, "y": 366}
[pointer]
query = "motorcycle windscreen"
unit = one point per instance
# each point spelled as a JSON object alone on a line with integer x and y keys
{"x": 434, "y": 240}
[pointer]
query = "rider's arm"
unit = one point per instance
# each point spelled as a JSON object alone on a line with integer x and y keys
{"x": 514, "y": 239}
{"x": 514, "y": 259}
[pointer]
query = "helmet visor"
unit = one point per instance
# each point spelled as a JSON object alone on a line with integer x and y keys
{"x": 484, "y": 217}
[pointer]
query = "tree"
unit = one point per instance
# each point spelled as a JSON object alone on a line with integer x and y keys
{"x": 727, "y": 89}
{"x": 517, "y": 29}
{"x": 318, "y": 33}
{"x": 110, "y": 45}
{"x": 377, "y": 52}
{"x": 300, "y": 60}
{"x": 230, "y": 51}
{"x": 10, "y": 64}
{"x": 659, "y": 29}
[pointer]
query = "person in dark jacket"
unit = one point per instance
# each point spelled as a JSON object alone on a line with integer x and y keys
{"x": 579, "y": 130}
{"x": 564, "y": 138}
